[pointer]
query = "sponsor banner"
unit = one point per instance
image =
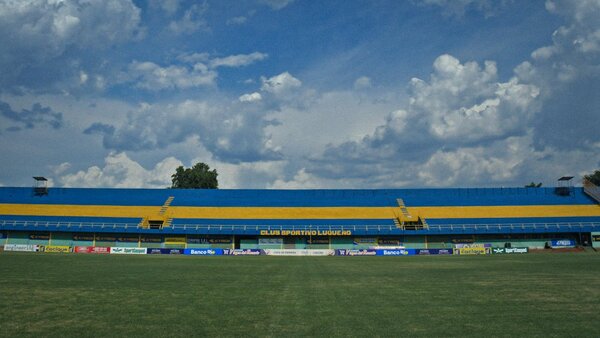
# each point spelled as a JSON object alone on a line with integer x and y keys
{"x": 128, "y": 238}
{"x": 209, "y": 240}
{"x": 299, "y": 252}
{"x": 462, "y": 240}
{"x": 151, "y": 239}
{"x": 203, "y": 252}
{"x": 40, "y": 236}
{"x": 242, "y": 252}
{"x": 21, "y": 247}
{"x": 175, "y": 240}
{"x": 306, "y": 233}
{"x": 318, "y": 240}
{"x": 270, "y": 241}
{"x": 510, "y": 250}
{"x": 472, "y": 245}
{"x": 395, "y": 252}
{"x": 563, "y": 243}
{"x": 472, "y": 251}
{"x": 83, "y": 237}
{"x": 127, "y": 251}
{"x": 105, "y": 238}
{"x": 365, "y": 240}
{"x": 58, "y": 249}
{"x": 434, "y": 251}
{"x": 92, "y": 249}
{"x": 388, "y": 241}
{"x": 163, "y": 251}
{"x": 595, "y": 238}
{"x": 355, "y": 252}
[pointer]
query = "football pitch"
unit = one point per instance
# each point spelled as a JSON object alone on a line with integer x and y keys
{"x": 107, "y": 295}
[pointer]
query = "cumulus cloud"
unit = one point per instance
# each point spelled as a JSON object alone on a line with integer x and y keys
{"x": 31, "y": 118}
{"x": 363, "y": 82}
{"x": 277, "y": 4}
{"x": 254, "y": 97}
{"x": 231, "y": 135}
{"x": 239, "y": 60}
{"x": 35, "y": 34}
{"x": 280, "y": 84}
{"x": 120, "y": 171}
{"x": 568, "y": 75}
{"x": 458, "y": 8}
{"x": 191, "y": 21}
{"x": 150, "y": 76}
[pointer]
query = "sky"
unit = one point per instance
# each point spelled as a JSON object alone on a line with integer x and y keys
{"x": 299, "y": 94}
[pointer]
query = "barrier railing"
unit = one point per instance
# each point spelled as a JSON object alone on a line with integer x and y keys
{"x": 433, "y": 228}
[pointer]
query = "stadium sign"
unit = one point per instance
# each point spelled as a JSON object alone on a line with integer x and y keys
{"x": 472, "y": 251}
{"x": 92, "y": 249}
{"x": 127, "y": 251}
{"x": 434, "y": 252}
{"x": 510, "y": 250}
{"x": 242, "y": 252}
{"x": 306, "y": 233}
{"x": 355, "y": 252}
{"x": 21, "y": 247}
{"x": 395, "y": 252}
{"x": 203, "y": 252}
{"x": 163, "y": 251}
{"x": 563, "y": 243}
{"x": 58, "y": 249}
{"x": 299, "y": 252}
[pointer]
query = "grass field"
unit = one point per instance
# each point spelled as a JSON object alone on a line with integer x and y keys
{"x": 94, "y": 295}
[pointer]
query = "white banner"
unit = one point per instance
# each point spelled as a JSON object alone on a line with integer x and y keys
{"x": 270, "y": 241}
{"x": 21, "y": 247}
{"x": 299, "y": 252}
{"x": 128, "y": 251}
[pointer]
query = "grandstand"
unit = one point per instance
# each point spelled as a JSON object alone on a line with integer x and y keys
{"x": 298, "y": 219}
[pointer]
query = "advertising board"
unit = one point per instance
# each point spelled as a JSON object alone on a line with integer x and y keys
{"x": 163, "y": 251}
{"x": 563, "y": 243}
{"x": 21, "y": 247}
{"x": 355, "y": 252}
{"x": 395, "y": 252}
{"x": 203, "y": 252}
{"x": 270, "y": 241}
{"x": 515, "y": 250}
{"x": 242, "y": 252}
{"x": 127, "y": 251}
{"x": 58, "y": 249}
{"x": 434, "y": 252}
{"x": 472, "y": 251}
{"x": 92, "y": 249}
{"x": 299, "y": 252}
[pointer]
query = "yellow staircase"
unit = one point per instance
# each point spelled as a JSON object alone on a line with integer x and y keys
{"x": 406, "y": 221}
{"x": 159, "y": 220}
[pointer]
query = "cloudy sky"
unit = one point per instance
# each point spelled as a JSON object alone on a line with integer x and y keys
{"x": 299, "y": 94}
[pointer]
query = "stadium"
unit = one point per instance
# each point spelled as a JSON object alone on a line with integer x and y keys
{"x": 358, "y": 222}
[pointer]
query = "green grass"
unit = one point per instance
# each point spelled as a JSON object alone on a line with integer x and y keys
{"x": 93, "y": 295}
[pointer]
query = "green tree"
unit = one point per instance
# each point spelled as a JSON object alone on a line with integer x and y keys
{"x": 594, "y": 178}
{"x": 533, "y": 185}
{"x": 198, "y": 177}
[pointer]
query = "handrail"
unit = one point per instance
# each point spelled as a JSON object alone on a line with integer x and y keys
{"x": 548, "y": 226}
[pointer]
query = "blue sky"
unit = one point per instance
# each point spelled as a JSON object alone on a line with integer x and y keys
{"x": 299, "y": 94}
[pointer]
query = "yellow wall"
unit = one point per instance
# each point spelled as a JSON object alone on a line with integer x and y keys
{"x": 301, "y": 212}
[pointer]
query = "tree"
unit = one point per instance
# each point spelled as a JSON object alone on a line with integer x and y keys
{"x": 594, "y": 178}
{"x": 533, "y": 185}
{"x": 198, "y": 177}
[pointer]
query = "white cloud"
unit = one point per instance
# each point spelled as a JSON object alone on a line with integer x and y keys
{"x": 170, "y": 7}
{"x": 36, "y": 35}
{"x": 277, "y": 4}
{"x": 150, "y": 76}
{"x": 119, "y": 171}
{"x": 238, "y": 20}
{"x": 458, "y": 8}
{"x": 230, "y": 134}
{"x": 254, "y": 97}
{"x": 239, "y": 60}
{"x": 363, "y": 82}
{"x": 280, "y": 84}
{"x": 191, "y": 21}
